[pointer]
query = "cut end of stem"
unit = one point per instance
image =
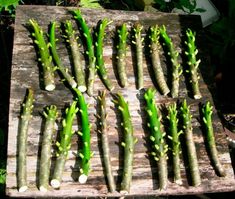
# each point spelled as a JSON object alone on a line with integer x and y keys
{"x": 43, "y": 189}
{"x": 23, "y": 189}
{"x": 74, "y": 85}
{"x": 166, "y": 92}
{"x": 82, "y": 88}
{"x": 55, "y": 183}
{"x": 50, "y": 87}
{"x": 197, "y": 184}
{"x": 197, "y": 96}
{"x": 82, "y": 179}
{"x": 124, "y": 192}
{"x": 112, "y": 88}
{"x": 179, "y": 182}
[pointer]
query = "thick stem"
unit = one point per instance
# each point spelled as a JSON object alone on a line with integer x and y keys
{"x": 138, "y": 40}
{"x": 57, "y": 59}
{"x": 85, "y": 154}
{"x": 90, "y": 50}
{"x": 102, "y": 71}
{"x": 25, "y": 118}
{"x": 162, "y": 172}
{"x": 71, "y": 38}
{"x": 159, "y": 146}
{"x": 156, "y": 63}
{"x": 128, "y": 144}
{"x": 173, "y": 54}
{"x": 121, "y": 55}
{"x": 191, "y": 149}
{"x": 210, "y": 139}
{"x": 58, "y": 171}
{"x": 44, "y": 56}
{"x": 175, "y": 142}
{"x": 193, "y": 63}
{"x": 105, "y": 142}
{"x": 44, "y": 172}
{"x": 64, "y": 144}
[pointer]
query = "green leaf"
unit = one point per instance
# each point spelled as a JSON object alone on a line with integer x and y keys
{"x": 90, "y": 3}
{"x": 200, "y": 10}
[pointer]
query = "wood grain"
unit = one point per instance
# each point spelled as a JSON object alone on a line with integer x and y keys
{"x": 25, "y": 73}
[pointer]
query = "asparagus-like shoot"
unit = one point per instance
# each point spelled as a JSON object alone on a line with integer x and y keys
{"x": 121, "y": 55}
{"x": 207, "y": 111}
{"x": 138, "y": 41}
{"x": 44, "y": 172}
{"x": 191, "y": 150}
{"x": 64, "y": 144}
{"x": 102, "y": 71}
{"x": 173, "y": 54}
{"x": 128, "y": 143}
{"x": 56, "y": 57}
{"x": 105, "y": 141}
{"x": 174, "y": 134}
{"x": 71, "y": 38}
{"x": 193, "y": 63}
{"x": 25, "y": 117}
{"x": 90, "y": 50}
{"x": 85, "y": 153}
{"x": 155, "y": 57}
{"x": 160, "y": 148}
{"x": 44, "y": 56}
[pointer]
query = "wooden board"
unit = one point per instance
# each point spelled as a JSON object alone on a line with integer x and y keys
{"x": 25, "y": 73}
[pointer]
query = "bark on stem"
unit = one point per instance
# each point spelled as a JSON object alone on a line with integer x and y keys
{"x": 71, "y": 38}
{"x": 25, "y": 117}
{"x": 210, "y": 139}
{"x": 64, "y": 144}
{"x": 105, "y": 141}
{"x": 128, "y": 144}
{"x": 138, "y": 41}
{"x": 45, "y": 161}
{"x": 57, "y": 59}
{"x": 156, "y": 63}
{"x": 121, "y": 55}
{"x": 191, "y": 149}
{"x": 159, "y": 147}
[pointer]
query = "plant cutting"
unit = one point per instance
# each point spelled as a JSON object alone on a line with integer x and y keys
{"x": 193, "y": 63}
{"x": 102, "y": 71}
{"x": 44, "y": 56}
{"x": 90, "y": 50}
{"x": 159, "y": 147}
{"x": 175, "y": 65}
{"x": 50, "y": 114}
{"x": 56, "y": 57}
{"x": 191, "y": 149}
{"x": 64, "y": 144}
{"x": 85, "y": 153}
{"x": 155, "y": 57}
{"x": 138, "y": 41}
{"x": 121, "y": 55}
{"x": 102, "y": 129}
{"x": 174, "y": 136}
{"x": 207, "y": 111}
{"x": 25, "y": 117}
{"x": 128, "y": 143}
{"x": 71, "y": 38}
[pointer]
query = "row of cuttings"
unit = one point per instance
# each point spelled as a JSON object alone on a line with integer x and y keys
{"x": 47, "y": 52}
{"x": 179, "y": 123}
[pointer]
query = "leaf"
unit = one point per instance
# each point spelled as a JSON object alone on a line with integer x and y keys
{"x": 200, "y": 10}
{"x": 90, "y": 3}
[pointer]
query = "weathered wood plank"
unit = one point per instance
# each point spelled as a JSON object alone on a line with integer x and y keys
{"x": 25, "y": 73}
